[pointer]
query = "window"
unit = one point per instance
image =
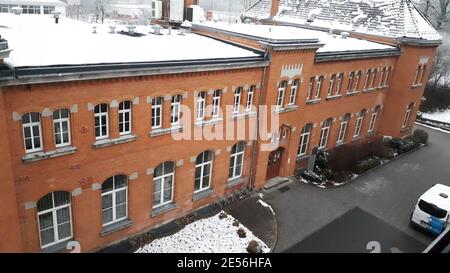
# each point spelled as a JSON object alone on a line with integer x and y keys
{"x": 61, "y": 127}
{"x": 350, "y": 82}
{"x": 101, "y": 121}
{"x": 250, "y": 95}
{"x": 387, "y": 77}
{"x": 236, "y": 160}
{"x": 382, "y": 78}
{"x": 420, "y": 73}
{"x": 293, "y": 95}
{"x": 54, "y": 215}
{"x": 125, "y": 118}
{"x": 203, "y": 169}
{"x": 201, "y": 101}
{"x": 157, "y": 105}
{"x": 280, "y": 95}
{"x": 32, "y": 132}
{"x": 373, "y": 118}
{"x": 343, "y": 128}
{"x": 175, "y": 108}
{"x": 310, "y": 88}
{"x": 216, "y": 103}
{"x": 374, "y": 77}
{"x": 237, "y": 100}
{"x": 163, "y": 181}
{"x": 359, "y": 123}
{"x": 331, "y": 87}
{"x": 356, "y": 82}
{"x": 319, "y": 87}
{"x": 304, "y": 139}
{"x": 339, "y": 83}
{"x": 31, "y": 9}
{"x": 325, "y": 133}
{"x": 114, "y": 199}
{"x": 407, "y": 115}
{"x": 368, "y": 76}
{"x": 48, "y": 9}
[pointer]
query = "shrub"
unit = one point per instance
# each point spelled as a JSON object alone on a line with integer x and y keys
{"x": 421, "y": 135}
{"x": 367, "y": 164}
{"x": 311, "y": 177}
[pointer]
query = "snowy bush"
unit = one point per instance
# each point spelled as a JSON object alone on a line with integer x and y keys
{"x": 367, "y": 164}
{"x": 421, "y": 136}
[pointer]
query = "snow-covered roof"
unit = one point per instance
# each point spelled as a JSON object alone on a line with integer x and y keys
{"x": 433, "y": 196}
{"x": 38, "y": 41}
{"x": 33, "y": 2}
{"x": 332, "y": 43}
{"x": 389, "y": 18}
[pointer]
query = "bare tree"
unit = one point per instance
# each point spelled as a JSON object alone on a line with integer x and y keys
{"x": 436, "y": 11}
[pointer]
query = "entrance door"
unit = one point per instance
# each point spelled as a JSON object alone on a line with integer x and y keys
{"x": 274, "y": 164}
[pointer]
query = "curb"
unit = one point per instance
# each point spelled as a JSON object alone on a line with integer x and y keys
{"x": 371, "y": 170}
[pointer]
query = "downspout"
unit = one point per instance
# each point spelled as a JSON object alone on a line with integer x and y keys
{"x": 264, "y": 78}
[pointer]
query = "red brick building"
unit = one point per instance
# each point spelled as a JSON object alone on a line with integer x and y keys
{"x": 87, "y": 145}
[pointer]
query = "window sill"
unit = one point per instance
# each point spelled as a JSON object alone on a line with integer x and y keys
{"x": 113, "y": 141}
{"x": 354, "y": 93}
{"x": 37, "y": 156}
{"x": 234, "y": 182}
{"x": 314, "y": 101}
{"x": 210, "y": 122}
{"x": 202, "y": 194}
{"x": 163, "y": 209}
{"x": 371, "y": 133}
{"x": 287, "y": 109}
{"x": 370, "y": 90}
{"x": 356, "y": 139}
{"x": 302, "y": 157}
{"x": 334, "y": 97}
{"x": 162, "y": 131}
{"x": 417, "y": 85}
{"x": 340, "y": 143}
{"x": 116, "y": 227}
{"x": 58, "y": 248}
{"x": 243, "y": 115}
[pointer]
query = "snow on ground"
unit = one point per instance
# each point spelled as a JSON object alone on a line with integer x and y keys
{"x": 264, "y": 204}
{"x": 443, "y": 115}
{"x": 38, "y": 41}
{"x": 434, "y": 128}
{"x": 333, "y": 43}
{"x": 210, "y": 235}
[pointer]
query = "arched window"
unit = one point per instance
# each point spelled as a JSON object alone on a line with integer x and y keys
{"x": 125, "y": 117}
{"x": 32, "y": 132}
{"x": 407, "y": 115}
{"x": 61, "y": 126}
{"x": 54, "y": 215}
{"x": 373, "y": 118}
{"x": 236, "y": 160}
{"x": 163, "y": 180}
{"x": 325, "y": 133}
{"x": 343, "y": 128}
{"x": 101, "y": 121}
{"x": 304, "y": 139}
{"x": 114, "y": 199}
{"x": 359, "y": 122}
{"x": 203, "y": 169}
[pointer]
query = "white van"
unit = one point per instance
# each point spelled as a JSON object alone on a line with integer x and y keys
{"x": 432, "y": 211}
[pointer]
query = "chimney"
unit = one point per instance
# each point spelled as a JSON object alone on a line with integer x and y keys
{"x": 274, "y": 8}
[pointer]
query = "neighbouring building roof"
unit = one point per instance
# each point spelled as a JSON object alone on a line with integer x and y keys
{"x": 389, "y": 18}
{"x": 33, "y": 2}
{"x": 284, "y": 34}
{"x": 38, "y": 41}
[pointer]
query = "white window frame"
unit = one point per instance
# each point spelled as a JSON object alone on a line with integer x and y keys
{"x": 237, "y": 100}
{"x": 123, "y": 112}
{"x": 202, "y": 173}
{"x": 340, "y": 80}
{"x": 373, "y": 119}
{"x": 366, "y": 82}
{"x": 30, "y": 125}
{"x": 356, "y": 81}
{"x": 304, "y": 140}
{"x": 161, "y": 179}
{"x": 157, "y": 105}
{"x": 382, "y": 78}
{"x": 175, "y": 110}
{"x": 319, "y": 87}
{"x": 235, "y": 163}
{"x": 343, "y": 128}
{"x": 374, "y": 77}
{"x": 99, "y": 117}
{"x": 359, "y": 123}
{"x": 350, "y": 82}
{"x": 54, "y": 211}
{"x": 325, "y": 133}
{"x": 331, "y": 86}
{"x": 280, "y": 94}
{"x": 114, "y": 192}
{"x": 216, "y": 103}
{"x": 57, "y": 123}
{"x": 201, "y": 105}
{"x": 388, "y": 74}
{"x": 293, "y": 94}
{"x": 250, "y": 97}
{"x": 309, "y": 92}
{"x": 407, "y": 115}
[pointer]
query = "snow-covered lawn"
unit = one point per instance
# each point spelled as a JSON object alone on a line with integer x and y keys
{"x": 210, "y": 235}
{"x": 443, "y": 115}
